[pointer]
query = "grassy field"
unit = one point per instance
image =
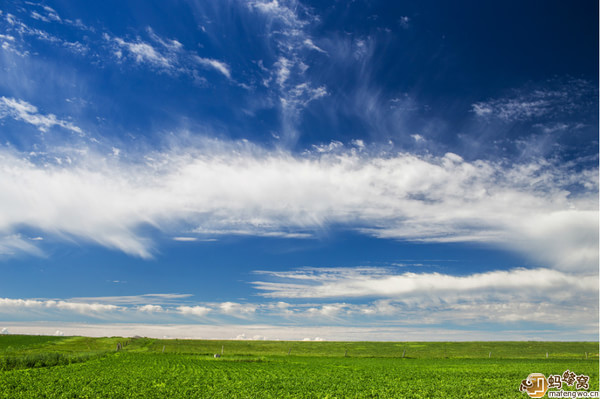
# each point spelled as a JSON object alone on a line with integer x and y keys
{"x": 78, "y": 367}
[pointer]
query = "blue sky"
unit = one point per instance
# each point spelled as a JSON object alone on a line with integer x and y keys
{"x": 300, "y": 170}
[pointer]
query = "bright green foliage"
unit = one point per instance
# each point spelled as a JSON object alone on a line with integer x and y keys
{"x": 413, "y": 350}
{"x": 12, "y": 343}
{"x": 43, "y": 360}
{"x": 152, "y": 375}
{"x": 250, "y": 369}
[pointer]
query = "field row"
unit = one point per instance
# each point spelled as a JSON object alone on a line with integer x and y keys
{"x": 152, "y": 375}
{"x": 14, "y": 344}
{"x": 81, "y": 367}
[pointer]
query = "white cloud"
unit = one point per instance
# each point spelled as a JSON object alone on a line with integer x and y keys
{"x": 164, "y": 55}
{"x": 300, "y": 95}
{"x": 287, "y": 23}
{"x": 298, "y": 333}
{"x": 243, "y": 337}
{"x": 136, "y": 299}
{"x": 237, "y": 309}
{"x": 4, "y": 331}
{"x": 546, "y": 211}
{"x": 9, "y": 44}
{"x": 328, "y": 310}
{"x": 513, "y": 109}
{"x": 169, "y": 44}
{"x": 36, "y": 15}
{"x": 215, "y": 64}
{"x": 14, "y": 244}
{"x": 405, "y": 22}
{"x": 185, "y": 239}
{"x": 557, "y": 98}
{"x": 50, "y": 15}
{"x": 24, "y": 111}
{"x": 507, "y": 296}
{"x": 316, "y": 339}
{"x": 83, "y": 308}
{"x": 361, "y": 49}
{"x": 285, "y": 12}
{"x": 22, "y": 29}
{"x": 144, "y": 52}
{"x": 309, "y": 43}
{"x": 283, "y": 66}
{"x": 360, "y": 144}
{"x": 552, "y": 127}
{"x": 200, "y": 311}
{"x": 550, "y": 298}
{"x": 257, "y": 228}
{"x": 418, "y": 138}
{"x": 368, "y": 282}
{"x": 88, "y": 309}
{"x": 151, "y": 308}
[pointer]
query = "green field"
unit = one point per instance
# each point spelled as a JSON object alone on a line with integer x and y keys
{"x": 79, "y": 367}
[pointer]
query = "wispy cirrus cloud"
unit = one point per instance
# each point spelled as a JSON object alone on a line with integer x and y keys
{"x": 219, "y": 66}
{"x": 28, "y": 113}
{"x": 15, "y": 244}
{"x": 555, "y": 99}
{"x": 287, "y": 26}
{"x": 377, "y": 282}
{"x": 143, "y": 53}
{"x": 505, "y": 299}
{"x": 21, "y": 47}
{"x": 503, "y": 296}
{"x": 160, "y": 54}
{"x": 45, "y": 13}
{"x": 164, "y": 55}
{"x": 154, "y": 299}
{"x": 9, "y": 44}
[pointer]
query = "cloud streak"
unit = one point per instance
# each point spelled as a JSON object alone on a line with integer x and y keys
{"x": 557, "y": 99}
{"x": 290, "y": 333}
{"x": 373, "y": 282}
{"x": 558, "y": 301}
{"x": 28, "y": 113}
{"x": 219, "y": 66}
{"x": 546, "y": 211}
{"x": 94, "y": 309}
{"x": 501, "y": 296}
{"x": 504, "y": 296}
{"x": 287, "y": 25}
{"x": 163, "y": 55}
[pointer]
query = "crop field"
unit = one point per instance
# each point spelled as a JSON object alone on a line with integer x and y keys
{"x": 78, "y": 367}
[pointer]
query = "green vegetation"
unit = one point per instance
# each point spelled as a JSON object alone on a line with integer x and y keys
{"x": 44, "y": 360}
{"x": 13, "y": 343}
{"x": 413, "y": 350}
{"x": 151, "y": 368}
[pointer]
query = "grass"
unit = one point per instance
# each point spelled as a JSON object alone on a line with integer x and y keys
{"x": 414, "y": 350}
{"x": 44, "y": 360}
{"x": 17, "y": 343}
{"x": 250, "y": 369}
